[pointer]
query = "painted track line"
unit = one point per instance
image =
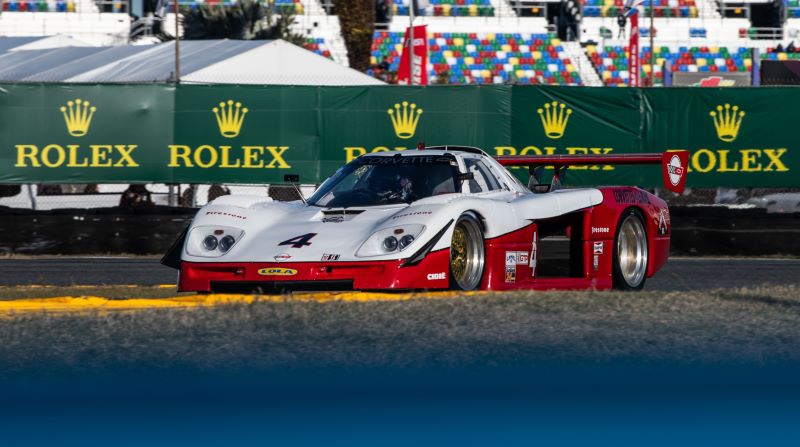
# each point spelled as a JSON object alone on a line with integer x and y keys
{"x": 89, "y": 304}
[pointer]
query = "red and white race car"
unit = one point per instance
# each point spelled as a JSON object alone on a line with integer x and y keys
{"x": 437, "y": 218}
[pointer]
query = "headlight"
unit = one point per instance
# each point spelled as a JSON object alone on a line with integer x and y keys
{"x": 211, "y": 241}
{"x": 390, "y": 240}
{"x": 226, "y": 243}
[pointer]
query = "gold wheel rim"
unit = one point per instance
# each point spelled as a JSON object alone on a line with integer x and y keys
{"x": 458, "y": 253}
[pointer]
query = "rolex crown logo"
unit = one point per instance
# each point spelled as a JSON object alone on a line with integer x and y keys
{"x": 554, "y": 119}
{"x": 727, "y": 121}
{"x": 78, "y": 116}
{"x": 230, "y": 117}
{"x": 405, "y": 120}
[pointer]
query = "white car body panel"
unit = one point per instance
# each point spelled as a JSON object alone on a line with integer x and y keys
{"x": 267, "y": 223}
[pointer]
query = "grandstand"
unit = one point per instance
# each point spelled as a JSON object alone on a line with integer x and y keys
{"x": 480, "y": 41}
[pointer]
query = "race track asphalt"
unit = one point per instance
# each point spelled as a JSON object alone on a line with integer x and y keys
{"x": 678, "y": 274}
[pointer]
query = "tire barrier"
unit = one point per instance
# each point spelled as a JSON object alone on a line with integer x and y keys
{"x": 696, "y": 231}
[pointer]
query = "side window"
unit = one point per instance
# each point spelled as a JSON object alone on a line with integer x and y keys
{"x": 483, "y": 179}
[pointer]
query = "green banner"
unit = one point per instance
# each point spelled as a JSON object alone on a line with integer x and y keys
{"x": 256, "y": 134}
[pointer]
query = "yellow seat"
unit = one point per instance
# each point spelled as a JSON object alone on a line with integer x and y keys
{"x": 513, "y": 61}
{"x": 486, "y": 73}
{"x": 71, "y": 7}
{"x": 606, "y": 75}
{"x": 782, "y": 56}
{"x": 646, "y": 68}
{"x": 459, "y": 42}
{"x": 536, "y": 55}
{"x": 520, "y": 73}
{"x": 570, "y": 68}
{"x": 298, "y": 8}
{"x": 469, "y": 60}
{"x": 447, "y": 54}
{"x": 556, "y": 42}
{"x": 473, "y": 10}
{"x": 490, "y": 37}
{"x": 591, "y": 49}
{"x": 399, "y": 48}
{"x": 702, "y": 62}
{"x": 748, "y": 63}
{"x": 446, "y": 10}
{"x": 373, "y": 60}
{"x": 506, "y": 47}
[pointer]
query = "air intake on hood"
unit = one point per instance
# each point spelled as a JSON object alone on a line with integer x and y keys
{"x": 339, "y": 215}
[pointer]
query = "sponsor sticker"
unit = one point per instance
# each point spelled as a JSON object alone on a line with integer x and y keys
{"x": 282, "y": 257}
{"x": 330, "y": 257}
{"x": 511, "y": 258}
{"x": 277, "y": 271}
{"x": 663, "y": 221}
{"x": 511, "y": 273}
{"x": 598, "y": 248}
{"x": 522, "y": 258}
{"x": 596, "y": 262}
{"x": 600, "y": 230}
{"x": 435, "y": 276}
{"x": 333, "y": 219}
{"x": 675, "y": 170}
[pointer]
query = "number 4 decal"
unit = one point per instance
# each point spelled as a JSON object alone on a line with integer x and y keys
{"x": 299, "y": 241}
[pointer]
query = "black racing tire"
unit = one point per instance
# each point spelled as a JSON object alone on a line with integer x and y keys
{"x": 467, "y": 253}
{"x": 631, "y": 253}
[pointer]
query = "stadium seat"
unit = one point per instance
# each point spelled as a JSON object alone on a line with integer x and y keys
{"x": 485, "y": 58}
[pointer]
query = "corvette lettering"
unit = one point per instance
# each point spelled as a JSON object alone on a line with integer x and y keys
{"x": 630, "y": 196}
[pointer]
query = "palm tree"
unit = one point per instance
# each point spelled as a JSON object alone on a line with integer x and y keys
{"x": 244, "y": 20}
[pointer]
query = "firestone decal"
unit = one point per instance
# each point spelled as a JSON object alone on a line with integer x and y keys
{"x": 222, "y": 213}
{"x": 600, "y": 230}
{"x": 415, "y": 213}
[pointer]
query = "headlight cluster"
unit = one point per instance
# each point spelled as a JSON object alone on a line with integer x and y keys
{"x": 212, "y": 241}
{"x": 390, "y": 240}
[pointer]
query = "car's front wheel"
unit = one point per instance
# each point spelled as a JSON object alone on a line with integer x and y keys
{"x": 467, "y": 253}
{"x": 630, "y": 252}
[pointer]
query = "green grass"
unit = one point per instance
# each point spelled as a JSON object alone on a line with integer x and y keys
{"x": 753, "y": 326}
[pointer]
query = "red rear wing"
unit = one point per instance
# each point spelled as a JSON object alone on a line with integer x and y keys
{"x": 673, "y": 163}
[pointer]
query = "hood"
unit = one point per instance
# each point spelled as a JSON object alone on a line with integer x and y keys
{"x": 294, "y": 232}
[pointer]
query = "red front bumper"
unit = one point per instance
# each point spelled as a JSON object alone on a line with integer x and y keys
{"x": 431, "y": 273}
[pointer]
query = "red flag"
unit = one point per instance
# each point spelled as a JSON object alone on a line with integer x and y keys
{"x": 633, "y": 45}
{"x": 420, "y": 58}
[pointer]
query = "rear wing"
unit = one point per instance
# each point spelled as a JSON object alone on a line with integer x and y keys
{"x": 673, "y": 164}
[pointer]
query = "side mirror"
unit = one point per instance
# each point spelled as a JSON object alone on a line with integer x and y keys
{"x": 291, "y": 178}
{"x": 465, "y": 176}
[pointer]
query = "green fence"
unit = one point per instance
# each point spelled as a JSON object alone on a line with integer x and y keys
{"x": 249, "y": 134}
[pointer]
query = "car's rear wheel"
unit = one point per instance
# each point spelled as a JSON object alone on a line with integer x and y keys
{"x": 467, "y": 254}
{"x": 630, "y": 252}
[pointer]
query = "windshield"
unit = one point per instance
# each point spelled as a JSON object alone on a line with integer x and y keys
{"x": 374, "y": 180}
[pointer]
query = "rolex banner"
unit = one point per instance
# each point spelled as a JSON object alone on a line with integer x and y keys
{"x": 255, "y": 134}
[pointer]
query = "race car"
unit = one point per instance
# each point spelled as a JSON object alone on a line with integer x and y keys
{"x": 443, "y": 217}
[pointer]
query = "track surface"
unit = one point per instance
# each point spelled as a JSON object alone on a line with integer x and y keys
{"x": 679, "y": 273}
